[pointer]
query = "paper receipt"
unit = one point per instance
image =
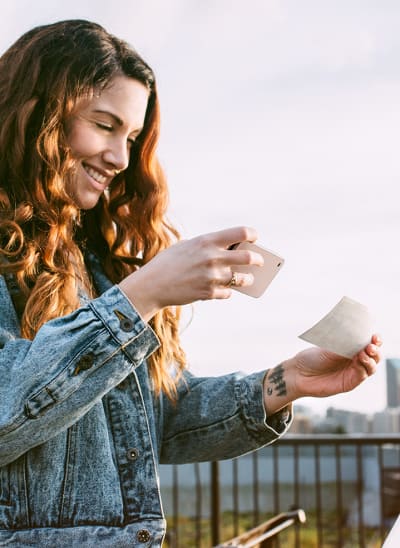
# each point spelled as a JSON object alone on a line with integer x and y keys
{"x": 345, "y": 330}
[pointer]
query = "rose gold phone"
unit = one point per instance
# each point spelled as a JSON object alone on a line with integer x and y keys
{"x": 263, "y": 275}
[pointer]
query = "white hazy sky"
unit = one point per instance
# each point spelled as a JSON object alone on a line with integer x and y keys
{"x": 285, "y": 116}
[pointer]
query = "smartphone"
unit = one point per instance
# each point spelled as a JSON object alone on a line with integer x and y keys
{"x": 263, "y": 275}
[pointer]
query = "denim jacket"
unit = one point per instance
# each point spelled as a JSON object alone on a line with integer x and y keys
{"x": 82, "y": 433}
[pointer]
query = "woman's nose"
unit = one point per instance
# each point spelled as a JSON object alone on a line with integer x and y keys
{"x": 117, "y": 154}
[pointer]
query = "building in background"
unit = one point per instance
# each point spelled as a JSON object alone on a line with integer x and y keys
{"x": 304, "y": 420}
{"x": 386, "y": 422}
{"x": 393, "y": 382}
{"x": 347, "y": 422}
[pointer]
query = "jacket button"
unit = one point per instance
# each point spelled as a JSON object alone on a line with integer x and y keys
{"x": 132, "y": 454}
{"x": 143, "y": 535}
{"x": 84, "y": 363}
{"x": 126, "y": 324}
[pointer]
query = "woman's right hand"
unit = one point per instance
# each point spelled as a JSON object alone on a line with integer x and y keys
{"x": 197, "y": 269}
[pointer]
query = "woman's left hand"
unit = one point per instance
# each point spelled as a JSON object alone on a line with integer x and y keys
{"x": 318, "y": 373}
{"x": 321, "y": 373}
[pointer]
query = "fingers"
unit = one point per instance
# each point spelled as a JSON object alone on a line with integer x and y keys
{"x": 371, "y": 355}
{"x": 369, "y": 364}
{"x": 222, "y": 289}
{"x": 229, "y": 236}
{"x": 219, "y": 256}
{"x": 220, "y": 245}
{"x": 243, "y": 257}
{"x": 372, "y": 350}
{"x": 216, "y": 264}
{"x": 376, "y": 339}
{"x": 239, "y": 279}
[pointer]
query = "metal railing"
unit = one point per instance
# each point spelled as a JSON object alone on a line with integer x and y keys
{"x": 263, "y": 535}
{"x": 348, "y": 485}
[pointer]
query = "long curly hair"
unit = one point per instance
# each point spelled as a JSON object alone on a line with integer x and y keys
{"x": 43, "y": 235}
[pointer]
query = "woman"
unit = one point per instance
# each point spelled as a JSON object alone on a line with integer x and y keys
{"x": 94, "y": 391}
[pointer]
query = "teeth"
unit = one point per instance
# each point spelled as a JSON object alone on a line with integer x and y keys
{"x": 95, "y": 174}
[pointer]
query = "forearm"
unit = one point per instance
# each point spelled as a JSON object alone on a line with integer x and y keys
{"x": 279, "y": 387}
{"x": 218, "y": 418}
{"x": 139, "y": 289}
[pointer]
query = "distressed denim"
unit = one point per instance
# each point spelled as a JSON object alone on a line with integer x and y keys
{"x": 82, "y": 433}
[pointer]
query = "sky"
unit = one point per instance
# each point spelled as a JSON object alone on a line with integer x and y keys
{"x": 283, "y": 116}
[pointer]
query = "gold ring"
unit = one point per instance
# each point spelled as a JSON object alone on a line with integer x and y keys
{"x": 233, "y": 281}
{"x": 117, "y": 171}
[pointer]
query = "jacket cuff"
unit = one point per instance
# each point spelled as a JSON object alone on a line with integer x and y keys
{"x": 124, "y": 324}
{"x": 255, "y": 414}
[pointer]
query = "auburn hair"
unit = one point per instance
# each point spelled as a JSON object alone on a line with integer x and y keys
{"x": 43, "y": 235}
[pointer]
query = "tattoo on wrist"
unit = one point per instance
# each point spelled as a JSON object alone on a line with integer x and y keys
{"x": 276, "y": 381}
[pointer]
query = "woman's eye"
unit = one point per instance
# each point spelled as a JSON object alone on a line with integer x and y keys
{"x": 104, "y": 126}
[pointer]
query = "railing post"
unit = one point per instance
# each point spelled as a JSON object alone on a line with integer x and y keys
{"x": 198, "y": 503}
{"x": 175, "y": 506}
{"x": 215, "y": 504}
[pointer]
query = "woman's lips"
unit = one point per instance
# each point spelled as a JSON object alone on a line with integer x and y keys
{"x": 98, "y": 180}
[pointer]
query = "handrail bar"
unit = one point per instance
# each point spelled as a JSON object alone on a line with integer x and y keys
{"x": 332, "y": 439}
{"x": 268, "y": 529}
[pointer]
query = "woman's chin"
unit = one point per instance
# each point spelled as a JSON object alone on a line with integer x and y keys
{"x": 87, "y": 201}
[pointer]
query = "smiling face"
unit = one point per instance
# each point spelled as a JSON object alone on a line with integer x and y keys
{"x": 100, "y": 134}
